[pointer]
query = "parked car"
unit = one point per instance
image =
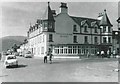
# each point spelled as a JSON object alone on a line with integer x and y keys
{"x": 117, "y": 56}
{"x": 28, "y": 55}
{"x": 16, "y": 54}
{"x": 11, "y": 60}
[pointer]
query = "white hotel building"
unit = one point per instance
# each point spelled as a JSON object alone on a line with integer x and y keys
{"x": 64, "y": 34}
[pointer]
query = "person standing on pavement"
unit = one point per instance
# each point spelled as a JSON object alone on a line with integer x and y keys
{"x": 50, "y": 58}
{"x": 98, "y": 54}
{"x": 102, "y": 54}
{"x": 88, "y": 54}
{"x": 45, "y": 58}
{"x": 114, "y": 53}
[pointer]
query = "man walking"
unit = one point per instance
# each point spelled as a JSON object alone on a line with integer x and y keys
{"x": 45, "y": 58}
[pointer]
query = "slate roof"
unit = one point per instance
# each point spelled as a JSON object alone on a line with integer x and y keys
{"x": 91, "y": 22}
{"x": 78, "y": 20}
{"x": 105, "y": 20}
{"x": 48, "y": 15}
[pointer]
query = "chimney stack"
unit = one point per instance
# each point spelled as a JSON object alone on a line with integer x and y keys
{"x": 63, "y": 8}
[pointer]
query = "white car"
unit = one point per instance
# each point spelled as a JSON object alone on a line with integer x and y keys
{"x": 117, "y": 56}
{"x": 11, "y": 60}
{"x": 28, "y": 55}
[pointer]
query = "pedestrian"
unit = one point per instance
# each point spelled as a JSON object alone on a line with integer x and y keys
{"x": 50, "y": 58}
{"x": 114, "y": 53}
{"x": 45, "y": 58}
{"x": 88, "y": 55}
{"x": 98, "y": 54}
{"x": 108, "y": 54}
{"x": 102, "y": 54}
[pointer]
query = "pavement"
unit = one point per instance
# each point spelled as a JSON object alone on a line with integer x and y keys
{"x": 62, "y": 70}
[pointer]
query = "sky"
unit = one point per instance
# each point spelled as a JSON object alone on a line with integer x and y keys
{"x": 17, "y": 16}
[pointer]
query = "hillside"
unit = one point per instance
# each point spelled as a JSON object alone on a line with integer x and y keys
{"x": 8, "y": 41}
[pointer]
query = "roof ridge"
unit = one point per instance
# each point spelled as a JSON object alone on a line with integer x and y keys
{"x": 84, "y": 17}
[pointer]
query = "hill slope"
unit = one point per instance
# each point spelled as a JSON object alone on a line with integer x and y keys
{"x": 8, "y": 41}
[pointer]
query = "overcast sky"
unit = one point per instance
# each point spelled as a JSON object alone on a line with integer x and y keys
{"x": 16, "y": 16}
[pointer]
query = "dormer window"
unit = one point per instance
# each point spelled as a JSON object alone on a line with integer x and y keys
{"x": 85, "y": 28}
{"x": 95, "y": 29}
{"x": 50, "y": 25}
{"x": 83, "y": 22}
{"x": 74, "y": 28}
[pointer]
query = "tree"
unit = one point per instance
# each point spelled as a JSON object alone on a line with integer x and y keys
{"x": 25, "y": 41}
{"x": 14, "y": 47}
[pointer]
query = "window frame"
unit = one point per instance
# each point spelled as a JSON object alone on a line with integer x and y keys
{"x": 95, "y": 29}
{"x": 50, "y": 37}
{"x": 74, "y": 39}
{"x": 109, "y": 39}
{"x": 104, "y": 40}
{"x": 85, "y": 28}
{"x": 85, "y": 39}
{"x": 104, "y": 28}
{"x": 95, "y": 40}
{"x": 74, "y": 28}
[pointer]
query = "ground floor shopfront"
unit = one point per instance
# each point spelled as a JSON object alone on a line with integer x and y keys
{"x": 70, "y": 49}
{"x": 79, "y": 49}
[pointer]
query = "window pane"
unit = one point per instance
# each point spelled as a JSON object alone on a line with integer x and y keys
{"x": 50, "y": 37}
{"x": 75, "y": 39}
{"x": 85, "y": 39}
{"x": 85, "y": 28}
{"x": 109, "y": 40}
{"x": 75, "y": 28}
{"x": 95, "y": 29}
{"x": 104, "y": 40}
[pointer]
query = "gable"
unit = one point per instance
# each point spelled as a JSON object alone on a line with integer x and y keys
{"x": 64, "y": 23}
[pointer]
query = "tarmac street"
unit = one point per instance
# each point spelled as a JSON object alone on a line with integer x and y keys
{"x": 62, "y": 70}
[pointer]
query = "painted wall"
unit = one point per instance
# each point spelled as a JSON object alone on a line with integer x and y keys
{"x": 38, "y": 44}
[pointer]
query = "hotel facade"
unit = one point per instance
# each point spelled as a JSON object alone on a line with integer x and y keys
{"x": 63, "y": 34}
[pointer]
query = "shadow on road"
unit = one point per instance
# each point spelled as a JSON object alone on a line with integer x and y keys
{"x": 19, "y": 66}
